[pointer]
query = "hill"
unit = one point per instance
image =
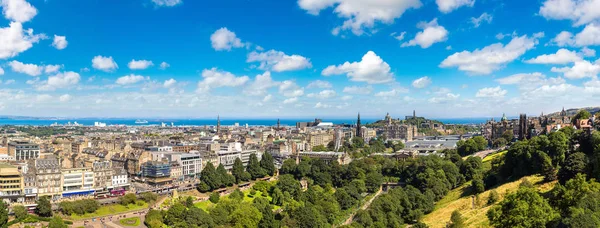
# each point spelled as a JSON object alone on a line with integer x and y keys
{"x": 573, "y": 111}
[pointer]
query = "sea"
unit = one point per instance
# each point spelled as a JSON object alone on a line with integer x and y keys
{"x": 205, "y": 122}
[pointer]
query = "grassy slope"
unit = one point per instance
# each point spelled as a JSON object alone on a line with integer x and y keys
{"x": 110, "y": 210}
{"x": 206, "y": 205}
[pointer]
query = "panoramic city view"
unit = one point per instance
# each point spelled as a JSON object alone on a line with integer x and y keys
{"x": 299, "y": 113}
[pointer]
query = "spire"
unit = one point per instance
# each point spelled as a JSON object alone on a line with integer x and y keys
{"x": 358, "y": 127}
{"x": 414, "y": 114}
{"x": 278, "y": 124}
{"x": 218, "y": 124}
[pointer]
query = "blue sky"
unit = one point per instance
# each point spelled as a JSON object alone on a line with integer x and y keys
{"x": 304, "y": 58}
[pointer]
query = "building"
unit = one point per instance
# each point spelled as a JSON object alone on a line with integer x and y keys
{"x": 48, "y": 176}
{"x": 341, "y": 157}
{"x": 191, "y": 164}
{"x": 157, "y": 173}
{"x": 23, "y": 150}
{"x": 10, "y": 184}
{"x": 119, "y": 179}
{"x": 229, "y": 152}
{"x": 523, "y": 133}
{"x": 77, "y": 182}
{"x": 319, "y": 139}
{"x": 176, "y": 171}
{"x": 395, "y": 131}
{"x": 103, "y": 176}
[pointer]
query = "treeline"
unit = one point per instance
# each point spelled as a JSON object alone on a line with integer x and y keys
{"x": 79, "y": 207}
{"x": 471, "y": 146}
{"x": 212, "y": 179}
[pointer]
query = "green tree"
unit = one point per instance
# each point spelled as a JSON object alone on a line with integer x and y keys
{"x": 210, "y": 176}
{"x": 398, "y": 146}
{"x": 493, "y": 197}
{"x": 581, "y": 115}
{"x": 267, "y": 164}
{"x": 574, "y": 164}
{"x": 266, "y": 209}
{"x": 20, "y": 212}
{"x": 149, "y": 197}
{"x": 3, "y": 214}
{"x": 127, "y": 199}
{"x": 344, "y": 199}
{"x": 559, "y": 146}
{"x": 246, "y": 216}
{"x": 287, "y": 183}
{"x": 238, "y": 171}
{"x": 373, "y": 181}
{"x": 525, "y": 208}
{"x": 499, "y": 142}
{"x": 236, "y": 195}
{"x": 214, "y": 197}
{"x": 477, "y": 185}
{"x": 456, "y": 220}
{"x": 57, "y": 222}
{"x": 226, "y": 178}
{"x": 319, "y": 148}
{"x": 254, "y": 168}
{"x": 43, "y": 208}
{"x": 153, "y": 219}
{"x": 508, "y": 135}
{"x": 471, "y": 167}
{"x": 277, "y": 197}
{"x": 358, "y": 142}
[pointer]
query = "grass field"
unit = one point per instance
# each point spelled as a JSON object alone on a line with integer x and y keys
{"x": 206, "y": 205}
{"x": 491, "y": 157}
{"x": 474, "y": 211}
{"x": 135, "y": 221}
{"x": 110, "y": 210}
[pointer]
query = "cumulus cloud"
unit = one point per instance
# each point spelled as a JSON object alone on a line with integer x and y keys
{"x": 585, "y": 51}
{"x": 580, "y": 69}
{"x": 130, "y": 79}
{"x": 492, "y": 57}
{"x": 278, "y": 61}
{"x": 64, "y": 98}
{"x": 444, "y": 98}
{"x": 528, "y": 82}
{"x": 589, "y": 36}
{"x": 358, "y": 90}
{"x": 390, "y": 93}
{"x": 421, "y": 82}
{"x": 432, "y": 33}
{"x": 223, "y": 39}
{"x": 169, "y": 83}
{"x": 60, "y": 42}
{"x": 166, "y": 3}
{"x": 371, "y": 69}
{"x": 18, "y": 10}
{"x": 319, "y": 84}
{"x": 447, "y": 6}
{"x": 322, "y": 105}
{"x": 214, "y": 78}
{"x": 164, "y": 65}
{"x": 26, "y": 68}
{"x": 361, "y": 16}
{"x": 139, "y": 64}
{"x": 102, "y": 63}
{"x": 579, "y": 11}
{"x": 398, "y": 37}
{"x": 325, "y": 94}
{"x": 261, "y": 84}
{"x": 15, "y": 40}
{"x": 485, "y": 17}
{"x": 289, "y": 88}
{"x": 491, "y": 92}
{"x": 49, "y": 69}
{"x": 267, "y": 98}
{"x": 290, "y": 100}
{"x": 59, "y": 81}
{"x": 562, "y": 56}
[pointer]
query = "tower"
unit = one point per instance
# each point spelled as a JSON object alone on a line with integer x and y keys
{"x": 278, "y": 124}
{"x": 358, "y": 128}
{"x": 523, "y": 127}
{"x": 218, "y": 124}
{"x": 414, "y": 114}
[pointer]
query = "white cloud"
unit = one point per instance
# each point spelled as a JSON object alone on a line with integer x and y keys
{"x": 289, "y": 88}
{"x": 223, "y": 39}
{"x": 358, "y": 90}
{"x": 390, "y": 93}
{"x": 164, "y": 65}
{"x": 261, "y": 84}
{"x": 585, "y": 51}
{"x": 139, "y": 64}
{"x": 371, "y": 69}
{"x": 59, "y": 81}
{"x": 562, "y": 56}
{"x": 15, "y": 40}
{"x": 346, "y": 98}
{"x": 43, "y": 97}
{"x": 399, "y": 37}
{"x": 579, "y": 11}
{"x": 130, "y": 79}
{"x": 361, "y": 15}
{"x": 580, "y": 69}
{"x": 214, "y": 78}
{"x": 447, "y": 6}
{"x": 444, "y": 98}
{"x": 18, "y": 10}
{"x": 325, "y": 94}
{"x": 319, "y": 84}
{"x": 102, "y": 63}
{"x": 492, "y": 57}
{"x": 491, "y": 92}
{"x": 169, "y": 83}
{"x": 485, "y": 17}
{"x": 8, "y": 82}
{"x": 432, "y": 33}
{"x": 60, "y": 42}
{"x": 527, "y": 82}
{"x": 564, "y": 38}
{"x": 65, "y": 98}
{"x": 166, "y": 3}
{"x": 49, "y": 69}
{"x": 321, "y": 105}
{"x": 290, "y": 100}
{"x": 421, "y": 82}
{"x": 26, "y": 68}
{"x": 268, "y": 98}
{"x": 589, "y": 36}
{"x": 278, "y": 61}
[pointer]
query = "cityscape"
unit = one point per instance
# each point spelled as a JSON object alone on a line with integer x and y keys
{"x": 299, "y": 114}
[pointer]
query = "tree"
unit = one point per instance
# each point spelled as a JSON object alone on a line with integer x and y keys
{"x": 319, "y": 148}
{"x": 238, "y": 171}
{"x": 246, "y": 216}
{"x": 20, "y": 212}
{"x": 358, "y": 142}
{"x": 277, "y": 197}
{"x": 254, "y": 167}
{"x": 210, "y": 177}
{"x": 471, "y": 167}
{"x": 456, "y": 220}
{"x": 128, "y": 198}
{"x": 581, "y": 115}
{"x": 344, "y": 199}
{"x": 287, "y": 183}
{"x": 499, "y": 142}
{"x": 266, "y": 209}
{"x": 492, "y": 197}
{"x": 398, "y": 146}
{"x": 575, "y": 163}
{"x": 148, "y": 197}
{"x": 267, "y": 164}
{"x": 214, "y": 197}
{"x": 226, "y": 178}
{"x": 373, "y": 181}
{"x": 236, "y": 195}
{"x": 477, "y": 185}
{"x": 43, "y": 208}
{"x": 57, "y": 222}
{"x": 197, "y": 217}
{"x": 525, "y": 208}
{"x": 153, "y": 219}
{"x": 508, "y": 135}
{"x": 4, "y": 214}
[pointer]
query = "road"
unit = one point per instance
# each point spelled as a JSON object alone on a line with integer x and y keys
{"x": 485, "y": 153}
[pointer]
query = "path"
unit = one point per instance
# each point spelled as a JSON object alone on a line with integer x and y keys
{"x": 484, "y": 153}
{"x": 110, "y": 220}
{"x": 363, "y": 207}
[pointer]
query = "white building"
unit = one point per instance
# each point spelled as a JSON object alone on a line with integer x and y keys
{"x": 119, "y": 179}
{"x": 229, "y": 152}
{"x": 77, "y": 182}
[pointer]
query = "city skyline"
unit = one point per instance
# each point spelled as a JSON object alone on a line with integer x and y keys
{"x": 290, "y": 59}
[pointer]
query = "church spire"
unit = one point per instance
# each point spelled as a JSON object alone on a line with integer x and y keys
{"x": 358, "y": 127}
{"x": 218, "y": 124}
